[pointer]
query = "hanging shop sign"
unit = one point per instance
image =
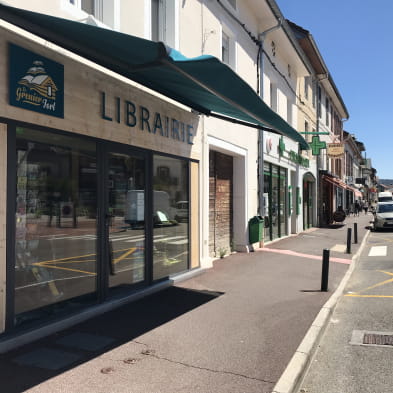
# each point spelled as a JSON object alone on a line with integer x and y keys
{"x": 36, "y": 83}
{"x": 317, "y": 145}
{"x": 335, "y": 150}
{"x": 155, "y": 123}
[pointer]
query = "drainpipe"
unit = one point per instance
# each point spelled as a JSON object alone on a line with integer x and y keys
{"x": 319, "y": 158}
{"x": 261, "y": 38}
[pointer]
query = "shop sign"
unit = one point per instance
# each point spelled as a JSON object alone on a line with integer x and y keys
{"x": 335, "y": 150}
{"x": 36, "y": 83}
{"x": 292, "y": 155}
{"x": 134, "y": 115}
{"x": 299, "y": 159}
{"x": 316, "y": 145}
{"x": 269, "y": 145}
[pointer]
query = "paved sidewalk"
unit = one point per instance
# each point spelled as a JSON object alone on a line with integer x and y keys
{"x": 232, "y": 329}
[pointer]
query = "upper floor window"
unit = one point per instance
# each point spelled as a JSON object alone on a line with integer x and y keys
{"x": 327, "y": 111}
{"x": 228, "y": 47}
{"x": 306, "y": 86}
{"x": 314, "y": 90}
{"x": 164, "y": 22}
{"x": 273, "y": 97}
{"x": 319, "y": 99}
{"x": 225, "y": 48}
{"x": 88, "y": 6}
{"x": 106, "y": 11}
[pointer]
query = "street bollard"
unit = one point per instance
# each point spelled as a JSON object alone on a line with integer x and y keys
{"x": 325, "y": 270}
{"x": 349, "y": 237}
{"x": 355, "y": 232}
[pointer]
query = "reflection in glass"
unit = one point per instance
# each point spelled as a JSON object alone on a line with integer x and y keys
{"x": 55, "y": 248}
{"x": 275, "y": 202}
{"x": 283, "y": 201}
{"x": 126, "y": 219}
{"x": 171, "y": 216}
{"x": 266, "y": 200}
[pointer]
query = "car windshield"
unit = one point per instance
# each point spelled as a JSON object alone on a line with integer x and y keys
{"x": 385, "y": 208}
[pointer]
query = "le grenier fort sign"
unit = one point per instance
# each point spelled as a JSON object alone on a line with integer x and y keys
{"x": 35, "y": 82}
{"x": 140, "y": 117}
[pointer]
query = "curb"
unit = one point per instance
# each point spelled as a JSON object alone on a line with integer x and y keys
{"x": 297, "y": 366}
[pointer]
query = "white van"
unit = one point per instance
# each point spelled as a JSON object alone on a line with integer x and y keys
{"x": 385, "y": 196}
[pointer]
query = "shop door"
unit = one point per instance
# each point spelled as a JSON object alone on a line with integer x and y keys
{"x": 124, "y": 216}
{"x": 220, "y": 203}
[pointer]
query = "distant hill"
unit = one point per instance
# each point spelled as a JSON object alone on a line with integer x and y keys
{"x": 386, "y": 182}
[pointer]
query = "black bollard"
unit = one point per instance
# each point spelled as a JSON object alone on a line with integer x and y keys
{"x": 349, "y": 237}
{"x": 355, "y": 232}
{"x": 325, "y": 270}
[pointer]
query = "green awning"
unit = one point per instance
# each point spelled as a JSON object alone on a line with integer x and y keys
{"x": 204, "y": 83}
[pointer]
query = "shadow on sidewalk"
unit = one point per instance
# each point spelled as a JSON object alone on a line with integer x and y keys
{"x": 37, "y": 362}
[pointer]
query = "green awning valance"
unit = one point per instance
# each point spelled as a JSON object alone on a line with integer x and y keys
{"x": 203, "y": 83}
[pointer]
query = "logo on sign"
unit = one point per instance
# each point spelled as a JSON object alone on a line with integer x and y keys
{"x": 269, "y": 145}
{"x": 36, "y": 83}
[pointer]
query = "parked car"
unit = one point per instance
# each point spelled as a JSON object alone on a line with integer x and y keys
{"x": 385, "y": 196}
{"x": 383, "y": 215}
{"x": 181, "y": 212}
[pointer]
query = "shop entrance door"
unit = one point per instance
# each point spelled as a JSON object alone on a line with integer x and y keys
{"x": 124, "y": 216}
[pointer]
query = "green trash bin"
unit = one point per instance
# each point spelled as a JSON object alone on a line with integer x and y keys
{"x": 255, "y": 229}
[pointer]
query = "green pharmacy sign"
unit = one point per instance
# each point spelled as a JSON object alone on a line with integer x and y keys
{"x": 316, "y": 146}
{"x": 35, "y": 82}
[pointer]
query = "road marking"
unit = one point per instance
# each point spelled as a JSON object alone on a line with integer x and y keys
{"x": 298, "y": 254}
{"x": 378, "y": 251}
{"x": 121, "y": 257}
{"x": 339, "y": 248}
{"x": 63, "y": 268}
{"x": 358, "y": 293}
{"x": 370, "y": 296}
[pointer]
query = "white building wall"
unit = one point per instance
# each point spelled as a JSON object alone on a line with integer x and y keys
{"x": 196, "y": 29}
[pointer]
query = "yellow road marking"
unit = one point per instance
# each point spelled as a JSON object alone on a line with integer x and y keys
{"x": 49, "y": 264}
{"x": 376, "y": 285}
{"x": 63, "y": 262}
{"x": 66, "y": 259}
{"x": 353, "y": 295}
{"x": 64, "y": 268}
{"x": 357, "y": 294}
{"x": 130, "y": 251}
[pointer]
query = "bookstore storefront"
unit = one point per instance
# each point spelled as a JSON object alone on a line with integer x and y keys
{"x": 99, "y": 186}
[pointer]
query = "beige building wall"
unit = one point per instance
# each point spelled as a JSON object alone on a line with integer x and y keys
{"x": 84, "y": 84}
{"x": 306, "y": 111}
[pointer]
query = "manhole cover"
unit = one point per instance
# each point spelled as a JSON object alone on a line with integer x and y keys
{"x": 378, "y": 339}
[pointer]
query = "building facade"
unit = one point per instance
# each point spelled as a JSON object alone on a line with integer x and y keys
{"x": 113, "y": 184}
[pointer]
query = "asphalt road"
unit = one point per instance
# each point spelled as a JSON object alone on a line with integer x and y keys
{"x": 343, "y": 363}
{"x": 232, "y": 329}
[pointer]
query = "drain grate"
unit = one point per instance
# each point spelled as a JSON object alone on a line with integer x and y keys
{"x": 378, "y": 339}
{"x": 372, "y": 338}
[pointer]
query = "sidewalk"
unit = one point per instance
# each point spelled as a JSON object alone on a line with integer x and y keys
{"x": 232, "y": 329}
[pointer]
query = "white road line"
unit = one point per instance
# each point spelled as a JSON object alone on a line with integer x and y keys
{"x": 169, "y": 238}
{"x": 378, "y": 251}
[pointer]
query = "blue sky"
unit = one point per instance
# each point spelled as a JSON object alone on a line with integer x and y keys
{"x": 355, "y": 39}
